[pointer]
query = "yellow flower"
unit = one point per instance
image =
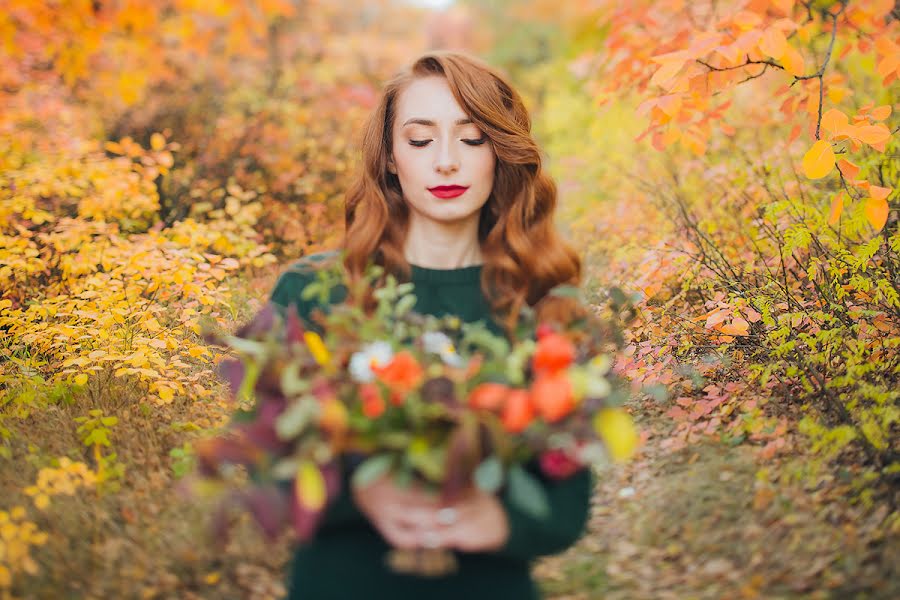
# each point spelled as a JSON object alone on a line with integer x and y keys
{"x": 317, "y": 348}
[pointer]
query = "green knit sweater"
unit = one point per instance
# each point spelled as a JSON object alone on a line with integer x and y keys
{"x": 345, "y": 560}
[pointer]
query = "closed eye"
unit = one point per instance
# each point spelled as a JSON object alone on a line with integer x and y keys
{"x": 422, "y": 143}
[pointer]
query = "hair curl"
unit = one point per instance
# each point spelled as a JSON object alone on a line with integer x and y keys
{"x": 524, "y": 256}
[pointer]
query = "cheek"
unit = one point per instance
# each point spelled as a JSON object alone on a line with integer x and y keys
{"x": 409, "y": 164}
{"x": 485, "y": 167}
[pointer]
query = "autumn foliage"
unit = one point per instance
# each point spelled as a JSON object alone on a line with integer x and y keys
{"x": 732, "y": 164}
{"x": 157, "y": 159}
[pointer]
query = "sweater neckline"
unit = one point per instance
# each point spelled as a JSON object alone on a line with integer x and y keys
{"x": 470, "y": 274}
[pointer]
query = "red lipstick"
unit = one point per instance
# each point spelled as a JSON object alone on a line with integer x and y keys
{"x": 448, "y": 191}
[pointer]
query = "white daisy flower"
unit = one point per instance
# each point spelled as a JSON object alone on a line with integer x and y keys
{"x": 437, "y": 342}
{"x": 374, "y": 354}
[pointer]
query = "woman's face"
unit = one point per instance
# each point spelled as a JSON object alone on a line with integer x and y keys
{"x": 436, "y": 145}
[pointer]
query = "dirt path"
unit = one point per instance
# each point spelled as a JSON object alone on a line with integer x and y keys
{"x": 711, "y": 521}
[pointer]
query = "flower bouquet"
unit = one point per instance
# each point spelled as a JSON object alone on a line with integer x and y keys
{"x": 431, "y": 399}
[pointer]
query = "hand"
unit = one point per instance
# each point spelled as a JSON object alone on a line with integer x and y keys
{"x": 405, "y": 516}
{"x": 475, "y": 523}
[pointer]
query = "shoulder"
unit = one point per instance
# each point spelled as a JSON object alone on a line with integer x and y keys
{"x": 304, "y": 270}
{"x": 299, "y": 274}
{"x": 311, "y": 263}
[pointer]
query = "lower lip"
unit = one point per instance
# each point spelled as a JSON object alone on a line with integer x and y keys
{"x": 448, "y": 193}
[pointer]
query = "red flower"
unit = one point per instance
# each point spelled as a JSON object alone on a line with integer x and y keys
{"x": 553, "y": 396}
{"x": 518, "y": 412}
{"x": 372, "y": 402}
{"x": 403, "y": 374}
{"x": 554, "y": 352}
{"x": 556, "y": 464}
{"x": 488, "y": 396}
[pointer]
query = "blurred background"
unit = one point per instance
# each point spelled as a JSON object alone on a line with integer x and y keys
{"x": 733, "y": 165}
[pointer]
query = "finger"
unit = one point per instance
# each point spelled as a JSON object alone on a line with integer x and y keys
{"x": 416, "y": 517}
{"x": 399, "y": 536}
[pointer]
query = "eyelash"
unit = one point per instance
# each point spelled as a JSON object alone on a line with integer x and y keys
{"x": 423, "y": 143}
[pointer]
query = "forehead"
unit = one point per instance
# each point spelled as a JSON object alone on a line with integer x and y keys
{"x": 428, "y": 98}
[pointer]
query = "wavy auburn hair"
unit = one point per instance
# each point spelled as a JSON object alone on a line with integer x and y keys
{"x": 524, "y": 256}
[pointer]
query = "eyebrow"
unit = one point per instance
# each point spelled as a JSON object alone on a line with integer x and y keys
{"x": 431, "y": 123}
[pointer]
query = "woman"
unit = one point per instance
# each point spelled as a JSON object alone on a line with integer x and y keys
{"x": 451, "y": 197}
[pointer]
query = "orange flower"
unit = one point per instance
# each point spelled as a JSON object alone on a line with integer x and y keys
{"x": 518, "y": 412}
{"x": 552, "y": 395}
{"x": 554, "y": 352}
{"x": 488, "y": 396}
{"x": 402, "y": 374}
{"x": 333, "y": 417}
{"x": 372, "y": 402}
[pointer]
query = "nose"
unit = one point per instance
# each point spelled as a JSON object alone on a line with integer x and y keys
{"x": 447, "y": 160}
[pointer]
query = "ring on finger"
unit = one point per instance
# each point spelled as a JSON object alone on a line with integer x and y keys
{"x": 447, "y": 516}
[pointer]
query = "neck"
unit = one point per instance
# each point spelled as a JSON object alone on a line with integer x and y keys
{"x": 442, "y": 245}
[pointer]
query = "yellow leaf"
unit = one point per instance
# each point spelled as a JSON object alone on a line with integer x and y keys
{"x": 42, "y": 501}
{"x": 81, "y": 379}
{"x": 310, "y": 486}
{"x": 876, "y": 212}
{"x": 793, "y": 61}
{"x": 197, "y": 351}
{"x": 819, "y": 160}
{"x": 166, "y": 394}
{"x": 152, "y": 324}
{"x": 317, "y": 347}
{"x": 837, "y": 207}
{"x": 157, "y": 141}
{"x": 616, "y": 428}
{"x": 5, "y": 578}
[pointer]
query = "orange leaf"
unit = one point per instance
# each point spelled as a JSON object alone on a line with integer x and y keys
{"x": 873, "y": 134}
{"x": 746, "y": 19}
{"x": 666, "y": 72}
{"x": 715, "y": 318}
{"x": 793, "y": 61}
{"x": 773, "y": 43}
{"x": 876, "y": 212}
{"x": 881, "y": 113}
{"x": 848, "y": 169}
{"x": 819, "y": 160}
{"x": 834, "y": 120}
{"x": 738, "y": 326}
{"x": 879, "y": 193}
{"x": 837, "y": 207}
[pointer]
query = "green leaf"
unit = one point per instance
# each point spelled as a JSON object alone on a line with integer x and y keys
{"x": 373, "y": 468}
{"x": 291, "y": 382}
{"x": 566, "y": 291}
{"x": 527, "y": 494}
{"x": 296, "y": 417}
{"x": 489, "y": 474}
{"x": 404, "y": 305}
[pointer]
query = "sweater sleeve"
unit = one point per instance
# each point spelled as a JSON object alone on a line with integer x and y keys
{"x": 287, "y": 290}
{"x": 570, "y": 501}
